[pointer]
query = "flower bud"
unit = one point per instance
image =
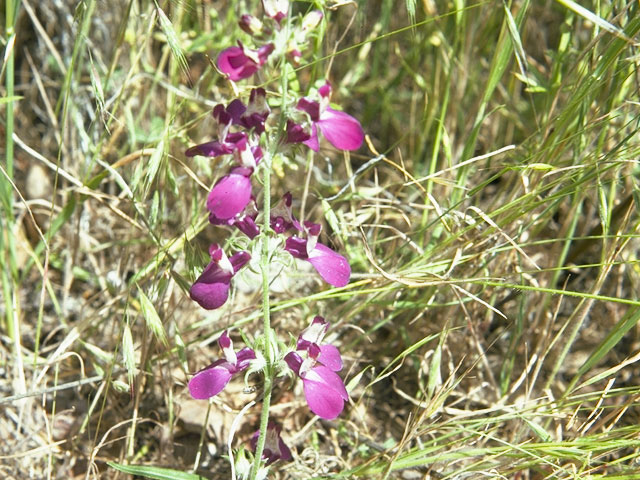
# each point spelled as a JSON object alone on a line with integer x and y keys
{"x": 276, "y": 9}
{"x": 250, "y": 24}
{"x": 311, "y": 20}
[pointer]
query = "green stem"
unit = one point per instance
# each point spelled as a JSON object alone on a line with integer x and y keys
{"x": 10, "y": 269}
{"x": 268, "y": 371}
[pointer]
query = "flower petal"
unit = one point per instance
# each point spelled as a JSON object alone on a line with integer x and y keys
{"x": 296, "y": 133}
{"x": 236, "y": 64}
{"x": 314, "y": 333}
{"x": 311, "y": 107}
{"x": 294, "y": 361}
{"x": 244, "y": 357}
{"x": 211, "y": 289}
{"x": 341, "y": 129}
{"x": 332, "y": 267}
{"x": 313, "y": 142}
{"x": 285, "y": 452}
{"x": 239, "y": 260}
{"x": 230, "y": 196}
{"x": 325, "y": 392}
{"x": 209, "y": 149}
{"x": 274, "y": 446}
{"x": 330, "y": 357}
{"x": 297, "y": 247}
{"x": 209, "y": 382}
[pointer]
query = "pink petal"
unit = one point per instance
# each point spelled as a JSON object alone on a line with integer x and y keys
{"x": 236, "y": 64}
{"x": 274, "y": 446}
{"x": 209, "y": 149}
{"x": 211, "y": 289}
{"x": 210, "y": 295}
{"x": 244, "y": 357}
{"x": 296, "y": 133}
{"x": 314, "y": 333}
{"x": 330, "y": 357}
{"x": 313, "y": 142}
{"x": 341, "y": 129}
{"x": 209, "y": 382}
{"x": 332, "y": 267}
{"x": 239, "y": 260}
{"x": 294, "y": 361}
{"x": 311, "y": 107}
{"x": 285, "y": 452}
{"x": 325, "y": 392}
{"x": 230, "y": 196}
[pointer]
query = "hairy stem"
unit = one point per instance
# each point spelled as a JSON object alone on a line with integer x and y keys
{"x": 269, "y": 369}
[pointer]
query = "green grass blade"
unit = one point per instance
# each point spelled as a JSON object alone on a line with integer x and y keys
{"x": 156, "y": 473}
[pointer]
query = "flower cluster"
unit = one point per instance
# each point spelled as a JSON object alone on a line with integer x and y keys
{"x": 231, "y": 202}
{"x": 246, "y": 135}
{"x": 315, "y": 363}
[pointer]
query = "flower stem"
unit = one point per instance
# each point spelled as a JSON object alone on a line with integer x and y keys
{"x": 269, "y": 371}
{"x": 269, "y": 368}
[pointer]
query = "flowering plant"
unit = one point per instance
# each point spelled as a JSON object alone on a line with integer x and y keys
{"x": 251, "y": 134}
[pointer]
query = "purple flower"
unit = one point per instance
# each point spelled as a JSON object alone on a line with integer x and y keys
{"x": 274, "y": 446}
{"x": 231, "y": 194}
{"x": 241, "y": 62}
{"x": 211, "y": 289}
{"x": 311, "y": 338}
{"x": 282, "y": 218}
{"x": 250, "y": 24}
{"x": 244, "y": 221}
{"x": 311, "y": 20}
{"x": 323, "y": 387}
{"x": 212, "y": 380}
{"x": 253, "y": 115}
{"x": 229, "y": 144}
{"x": 296, "y": 133}
{"x": 332, "y": 267}
{"x": 339, "y": 128}
{"x": 257, "y": 110}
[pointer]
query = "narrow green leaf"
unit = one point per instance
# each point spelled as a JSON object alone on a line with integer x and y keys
{"x": 411, "y": 10}
{"x": 10, "y": 99}
{"x": 100, "y": 354}
{"x": 153, "y": 166}
{"x": 157, "y": 473}
{"x": 332, "y": 220}
{"x": 521, "y": 57}
{"x": 172, "y": 39}
{"x": 611, "y": 340}
{"x": 154, "y": 209}
{"x": 356, "y": 379}
{"x": 593, "y": 18}
{"x": 539, "y": 431}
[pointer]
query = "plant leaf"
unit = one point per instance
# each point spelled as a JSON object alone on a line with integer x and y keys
{"x": 155, "y": 472}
